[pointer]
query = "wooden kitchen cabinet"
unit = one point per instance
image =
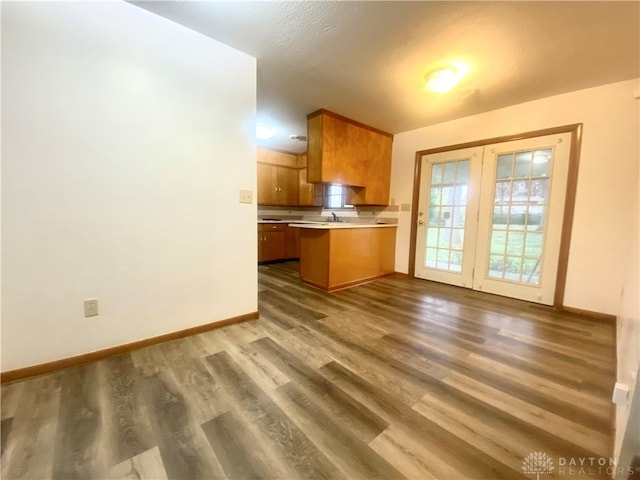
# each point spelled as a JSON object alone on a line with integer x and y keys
{"x": 292, "y": 243}
{"x": 277, "y": 185}
{"x": 271, "y": 242}
{"x": 378, "y": 182}
{"x": 309, "y": 194}
{"x": 341, "y": 150}
{"x": 332, "y": 258}
{"x": 276, "y": 157}
{"x": 278, "y": 178}
{"x": 277, "y": 241}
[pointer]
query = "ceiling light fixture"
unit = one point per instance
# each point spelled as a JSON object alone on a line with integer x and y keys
{"x": 264, "y": 132}
{"x": 442, "y": 80}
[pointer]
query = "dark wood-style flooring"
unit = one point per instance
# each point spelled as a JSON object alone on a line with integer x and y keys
{"x": 398, "y": 378}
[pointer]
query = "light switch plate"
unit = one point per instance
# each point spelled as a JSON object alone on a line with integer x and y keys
{"x": 91, "y": 307}
{"x": 246, "y": 196}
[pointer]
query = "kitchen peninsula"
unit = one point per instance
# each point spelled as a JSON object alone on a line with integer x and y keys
{"x": 334, "y": 256}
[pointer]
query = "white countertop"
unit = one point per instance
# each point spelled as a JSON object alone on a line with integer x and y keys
{"x": 286, "y": 221}
{"x": 330, "y": 225}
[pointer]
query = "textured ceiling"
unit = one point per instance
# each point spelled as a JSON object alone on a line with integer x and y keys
{"x": 367, "y": 60}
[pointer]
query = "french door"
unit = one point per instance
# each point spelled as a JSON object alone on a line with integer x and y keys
{"x": 490, "y": 218}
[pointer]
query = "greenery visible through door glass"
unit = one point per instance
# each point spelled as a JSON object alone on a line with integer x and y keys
{"x": 447, "y": 215}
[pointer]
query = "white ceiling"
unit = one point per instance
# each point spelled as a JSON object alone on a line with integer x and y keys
{"x": 366, "y": 60}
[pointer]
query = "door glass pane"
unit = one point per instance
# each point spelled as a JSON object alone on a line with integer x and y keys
{"x": 533, "y": 245}
{"x": 457, "y": 238}
{"x": 444, "y": 236}
{"x": 448, "y": 195}
{"x": 449, "y": 173}
{"x": 455, "y": 261}
{"x": 459, "y": 216}
{"x": 462, "y": 176}
{"x": 522, "y": 167}
{"x": 430, "y": 258}
{"x": 447, "y": 215}
{"x": 498, "y": 242}
{"x": 530, "y": 270}
{"x": 503, "y": 192}
{"x": 541, "y": 163}
{"x": 515, "y": 242}
{"x": 500, "y": 217}
{"x": 436, "y": 174}
{"x": 434, "y": 216}
{"x": 496, "y": 266}
{"x": 443, "y": 259}
{"x": 505, "y": 166}
{"x": 520, "y": 202}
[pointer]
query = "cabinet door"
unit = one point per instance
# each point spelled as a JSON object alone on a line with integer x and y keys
{"x": 292, "y": 246}
{"x": 309, "y": 194}
{"x": 346, "y": 152}
{"x": 376, "y": 192}
{"x": 274, "y": 157}
{"x": 287, "y": 186}
{"x": 271, "y": 246}
{"x": 305, "y": 189}
{"x": 267, "y": 193}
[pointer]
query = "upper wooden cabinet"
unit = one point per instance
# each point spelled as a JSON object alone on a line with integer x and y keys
{"x": 309, "y": 194}
{"x": 277, "y": 178}
{"x": 341, "y": 150}
{"x": 282, "y": 180}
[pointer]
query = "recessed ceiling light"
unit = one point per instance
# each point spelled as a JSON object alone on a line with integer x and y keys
{"x": 442, "y": 80}
{"x": 264, "y": 131}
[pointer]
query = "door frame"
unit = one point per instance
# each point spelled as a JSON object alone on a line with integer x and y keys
{"x": 575, "y": 130}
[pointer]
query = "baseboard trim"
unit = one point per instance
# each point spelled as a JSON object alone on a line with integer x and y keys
{"x": 32, "y": 371}
{"x": 343, "y": 286}
{"x": 588, "y": 313}
{"x": 401, "y": 274}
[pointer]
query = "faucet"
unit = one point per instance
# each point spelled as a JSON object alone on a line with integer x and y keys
{"x": 335, "y": 217}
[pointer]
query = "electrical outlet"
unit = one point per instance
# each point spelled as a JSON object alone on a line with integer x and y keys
{"x": 246, "y": 196}
{"x": 91, "y": 307}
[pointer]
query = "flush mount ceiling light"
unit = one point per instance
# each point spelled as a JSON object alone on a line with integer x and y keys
{"x": 442, "y": 80}
{"x": 264, "y": 132}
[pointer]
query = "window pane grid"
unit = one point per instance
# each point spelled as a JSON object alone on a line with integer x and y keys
{"x": 334, "y": 197}
{"x": 519, "y": 209}
{"x": 447, "y": 215}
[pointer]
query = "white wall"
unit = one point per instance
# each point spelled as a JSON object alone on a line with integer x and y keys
{"x": 628, "y": 334}
{"x": 126, "y": 138}
{"x": 607, "y": 184}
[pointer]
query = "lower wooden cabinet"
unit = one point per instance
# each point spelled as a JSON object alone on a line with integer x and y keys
{"x": 292, "y": 243}
{"x": 277, "y": 242}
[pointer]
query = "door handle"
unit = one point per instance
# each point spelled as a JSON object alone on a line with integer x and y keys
{"x": 420, "y": 222}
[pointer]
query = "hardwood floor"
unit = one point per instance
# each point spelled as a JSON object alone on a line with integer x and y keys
{"x": 396, "y": 378}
